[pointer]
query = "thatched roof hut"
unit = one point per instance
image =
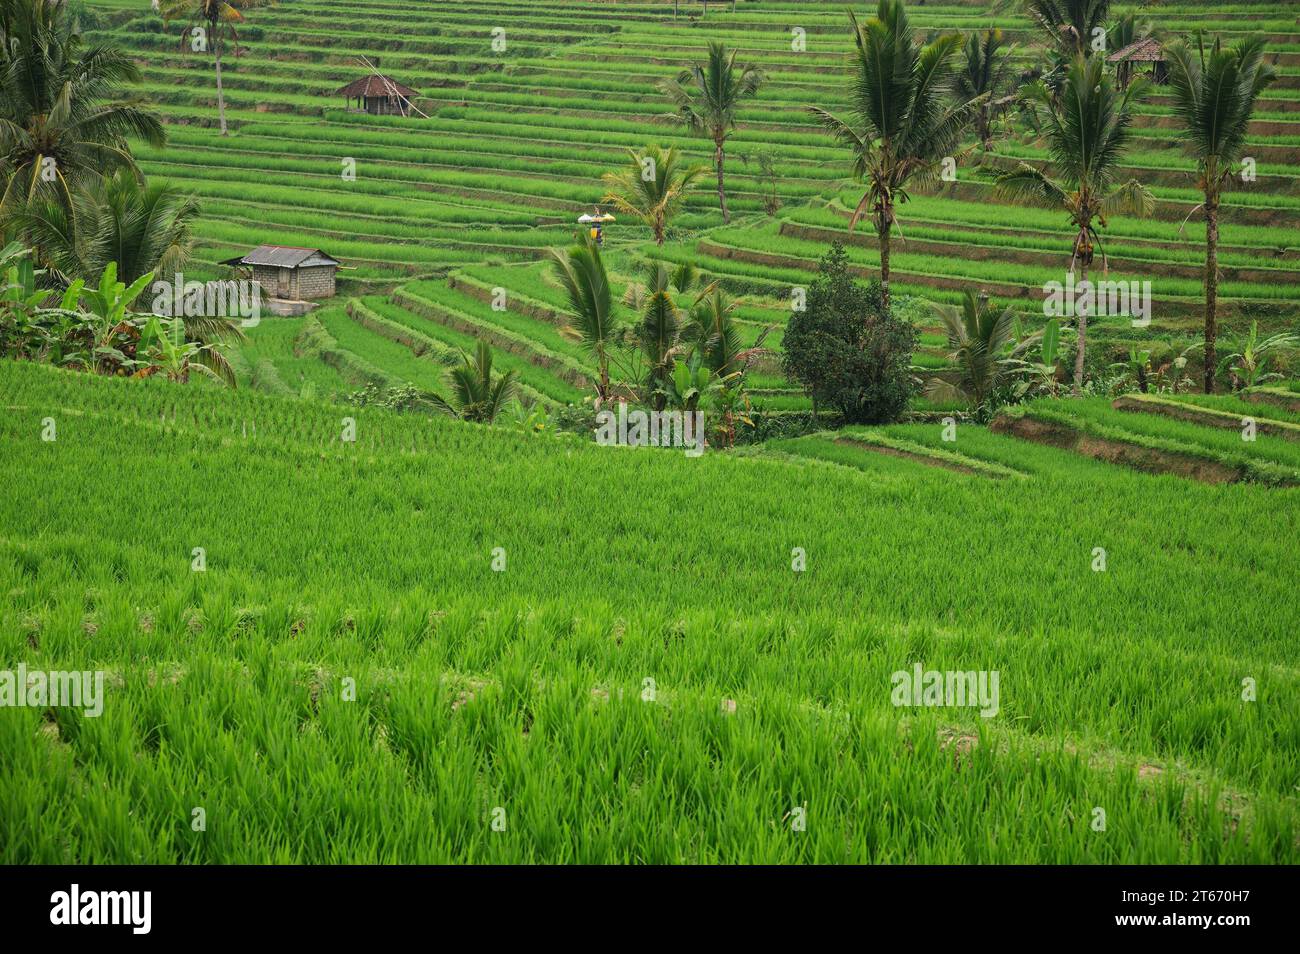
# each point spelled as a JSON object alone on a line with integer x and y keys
{"x": 1131, "y": 58}
{"x": 378, "y": 95}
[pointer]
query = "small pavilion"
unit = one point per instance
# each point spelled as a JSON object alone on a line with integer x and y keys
{"x": 1132, "y": 57}
{"x": 378, "y": 95}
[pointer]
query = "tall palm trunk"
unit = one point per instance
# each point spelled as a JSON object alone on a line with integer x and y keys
{"x": 216, "y": 55}
{"x": 1211, "y": 286}
{"x": 1081, "y": 318}
{"x": 602, "y": 370}
{"x": 885, "y": 227}
{"x": 719, "y": 157}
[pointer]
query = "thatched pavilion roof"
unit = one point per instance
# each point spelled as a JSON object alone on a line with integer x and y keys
{"x": 375, "y": 85}
{"x": 1146, "y": 50}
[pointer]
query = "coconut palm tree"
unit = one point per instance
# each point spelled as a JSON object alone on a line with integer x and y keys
{"x": 983, "y": 75}
{"x": 1071, "y": 28}
{"x": 214, "y": 17}
{"x": 1214, "y": 95}
{"x": 658, "y": 331}
{"x": 653, "y": 188}
{"x": 714, "y": 334}
{"x": 143, "y": 228}
{"x": 902, "y": 122}
{"x": 1087, "y": 128}
{"x": 581, "y": 272}
{"x": 64, "y": 114}
{"x": 1069, "y": 25}
{"x": 476, "y": 393}
{"x": 981, "y": 338}
{"x": 707, "y": 97}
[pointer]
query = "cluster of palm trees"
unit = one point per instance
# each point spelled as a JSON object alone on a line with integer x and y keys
{"x": 71, "y": 188}
{"x": 74, "y": 206}
{"x": 706, "y": 98}
{"x": 683, "y": 350}
{"x": 675, "y": 355}
{"x": 911, "y": 103}
{"x": 65, "y": 112}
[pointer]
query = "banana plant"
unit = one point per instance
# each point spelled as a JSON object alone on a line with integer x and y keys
{"x": 22, "y": 333}
{"x": 691, "y": 384}
{"x": 1138, "y": 366}
{"x": 109, "y": 304}
{"x": 28, "y": 328}
{"x": 1172, "y": 375}
{"x": 1041, "y": 374}
{"x": 163, "y": 349}
{"x": 1248, "y": 366}
{"x": 67, "y": 325}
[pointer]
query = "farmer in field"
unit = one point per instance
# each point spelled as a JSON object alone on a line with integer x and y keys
{"x": 596, "y": 219}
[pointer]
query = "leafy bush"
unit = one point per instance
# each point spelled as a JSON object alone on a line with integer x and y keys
{"x": 403, "y": 397}
{"x": 96, "y": 328}
{"x": 781, "y": 425}
{"x": 846, "y": 351}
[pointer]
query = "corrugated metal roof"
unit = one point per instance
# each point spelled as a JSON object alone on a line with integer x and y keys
{"x": 1146, "y": 50}
{"x": 374, "y": 85}
{"x": 285, "y": 256}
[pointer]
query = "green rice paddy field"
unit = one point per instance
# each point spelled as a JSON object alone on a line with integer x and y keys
{"x": 645, "y": 677}
{"x": 443, "y": 642}
{"x": 514, "y": 141}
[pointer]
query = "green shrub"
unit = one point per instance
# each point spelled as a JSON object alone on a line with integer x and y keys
{"x": 846, "y": 351}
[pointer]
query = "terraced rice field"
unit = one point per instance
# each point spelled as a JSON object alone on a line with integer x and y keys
{"x": 514, "y": 141}
{"x": 444, "y": 642}
{"x": 617, "y": 693}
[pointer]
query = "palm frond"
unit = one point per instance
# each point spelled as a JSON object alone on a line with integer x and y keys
{"x": 1031, "y": 185}
{"x": 582, "y": 275}
{"x": 1131, "y": 197}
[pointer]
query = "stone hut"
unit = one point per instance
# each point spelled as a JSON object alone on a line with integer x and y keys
{"x": 289, "y": 272}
